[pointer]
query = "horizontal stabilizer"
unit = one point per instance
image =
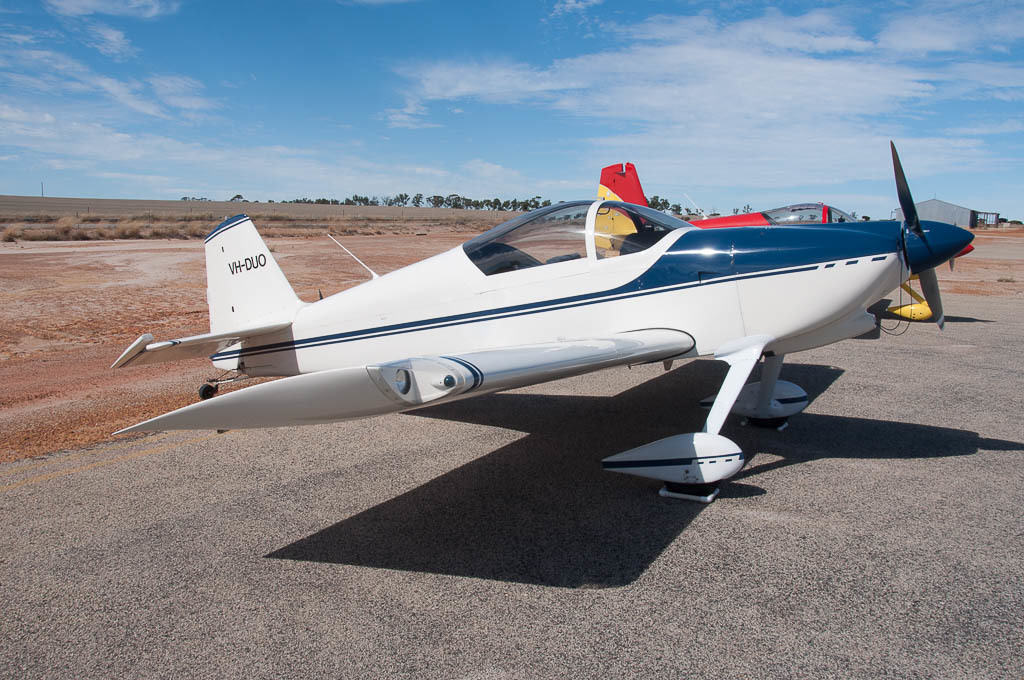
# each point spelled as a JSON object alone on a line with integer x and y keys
{"x": 145, "y": 351}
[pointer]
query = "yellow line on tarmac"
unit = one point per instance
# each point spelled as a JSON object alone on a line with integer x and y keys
{"x": 100, "y": 463}
{"x": 79, "y": 454}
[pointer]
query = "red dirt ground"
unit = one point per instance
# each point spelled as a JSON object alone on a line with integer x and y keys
{"x": 68, "y": 309}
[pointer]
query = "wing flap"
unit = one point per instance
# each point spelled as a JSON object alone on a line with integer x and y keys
{"x": 145, "y": 351}
{"x": 506, "y": 368}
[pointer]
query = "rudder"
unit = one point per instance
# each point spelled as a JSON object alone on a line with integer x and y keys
{"x": 619, "y": 182}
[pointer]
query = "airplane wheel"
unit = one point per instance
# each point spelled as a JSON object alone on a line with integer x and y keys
{"x": 206, "y": 390}
{"x": 767, "y": 422}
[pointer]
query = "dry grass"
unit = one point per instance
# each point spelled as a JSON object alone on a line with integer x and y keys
{"x": 150, "y": 225}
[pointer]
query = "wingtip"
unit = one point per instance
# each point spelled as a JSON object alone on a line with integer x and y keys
{"x": 133, "y": 351}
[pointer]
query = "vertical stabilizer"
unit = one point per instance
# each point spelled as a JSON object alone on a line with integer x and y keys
{"x": 244, "y": 285}
{"x": 619, "y": 182}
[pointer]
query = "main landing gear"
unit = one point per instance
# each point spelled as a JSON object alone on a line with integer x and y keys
{"x": 692, "y": 464}
{"x": 768, "y": 402}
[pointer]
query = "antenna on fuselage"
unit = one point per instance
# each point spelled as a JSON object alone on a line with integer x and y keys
{"x": 696, "y": 207}
{"x": 363, "y": 264}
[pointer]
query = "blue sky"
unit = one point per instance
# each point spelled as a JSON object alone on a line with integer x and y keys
{"x": 730, "y": 103}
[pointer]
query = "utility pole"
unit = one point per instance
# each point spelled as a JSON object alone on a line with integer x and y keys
{"x": 42, "y": 194}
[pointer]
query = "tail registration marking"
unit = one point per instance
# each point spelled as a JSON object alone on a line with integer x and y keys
{"x": 247, "y": 264}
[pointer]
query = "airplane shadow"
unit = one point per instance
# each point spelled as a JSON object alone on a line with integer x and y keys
{"x": 967, "y": 319}
{"x": 541, "y": 510}
{"x": 825, "y": 436}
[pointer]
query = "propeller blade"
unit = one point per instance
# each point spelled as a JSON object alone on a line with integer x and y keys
{"x": 930, "y": 287}
{"x": 903, "y": 192}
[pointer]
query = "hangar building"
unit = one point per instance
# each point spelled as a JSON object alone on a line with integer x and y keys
{"x": 940, "y": 211}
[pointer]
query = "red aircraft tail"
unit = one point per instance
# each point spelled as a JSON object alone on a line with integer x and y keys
{"x": 619, "y": 182}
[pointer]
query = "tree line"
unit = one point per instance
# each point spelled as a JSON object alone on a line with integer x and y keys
{"x": 461, "y": 202}
{"x": 435, "y": 201}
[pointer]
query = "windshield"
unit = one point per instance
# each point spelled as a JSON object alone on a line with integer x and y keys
{"x": 801, "y": 213}
{"x": 544, "y": 236}
{"x": 837, "y": 215}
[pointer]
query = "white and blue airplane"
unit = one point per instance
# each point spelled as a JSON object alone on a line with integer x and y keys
{"x": 555, "y": 292}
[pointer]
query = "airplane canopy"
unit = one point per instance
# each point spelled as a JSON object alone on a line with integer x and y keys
{"x": 812, "y": 213}
{"x": 569, "y": 231}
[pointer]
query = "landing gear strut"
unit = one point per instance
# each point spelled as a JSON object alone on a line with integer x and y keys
{"x": 768, "y": 402}
{"x": 691, "y": 464}
{"x": 210, "y": 387}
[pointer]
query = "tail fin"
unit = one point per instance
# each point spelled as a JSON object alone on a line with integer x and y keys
{"x": 619, "y": 182}
{"x": 244, "y": 285}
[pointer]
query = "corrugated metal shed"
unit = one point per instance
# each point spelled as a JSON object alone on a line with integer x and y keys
{"x": 950, "y": 213}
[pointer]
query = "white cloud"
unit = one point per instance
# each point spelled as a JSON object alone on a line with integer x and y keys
{"x": 65, "y": 140}
{"x": 568, "y": 6}
{"x": 181, "y": 92}
{"x": 946, "y": 27}
{"x": 493, "y": 81}
{"x": 491, "y": 171}
{"x": 818, "y": 31}
{"x": 1006, "y": 127}
{"x": 21, "y": 36}
{"x": 145, "y": 9}
{"x": 109, "y": 41}
{"x": 409, "y": 116}
{"x": 1000, "y": 81}
{"x": 779, "y": 98}
{"x": 57, "y": 72}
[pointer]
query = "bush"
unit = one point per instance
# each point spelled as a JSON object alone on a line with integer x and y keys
{"x": 129, "y": 230}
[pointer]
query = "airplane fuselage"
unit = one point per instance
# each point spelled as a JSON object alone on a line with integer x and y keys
{"x": 715, "y": 285}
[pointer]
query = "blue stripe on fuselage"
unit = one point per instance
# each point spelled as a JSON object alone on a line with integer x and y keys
{"x": 699, "y": 257}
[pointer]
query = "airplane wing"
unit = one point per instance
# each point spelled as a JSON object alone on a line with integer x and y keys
{"x": 145, "y": 351}
{"x": 360, "y": 391}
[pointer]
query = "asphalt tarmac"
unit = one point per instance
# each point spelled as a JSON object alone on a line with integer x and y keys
{"x": 880, "y": 534}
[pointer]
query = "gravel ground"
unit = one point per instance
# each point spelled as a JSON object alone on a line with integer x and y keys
{"x": 879, "y": 535}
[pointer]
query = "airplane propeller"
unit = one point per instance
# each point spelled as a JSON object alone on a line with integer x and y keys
{"x": 929, "y": 281}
